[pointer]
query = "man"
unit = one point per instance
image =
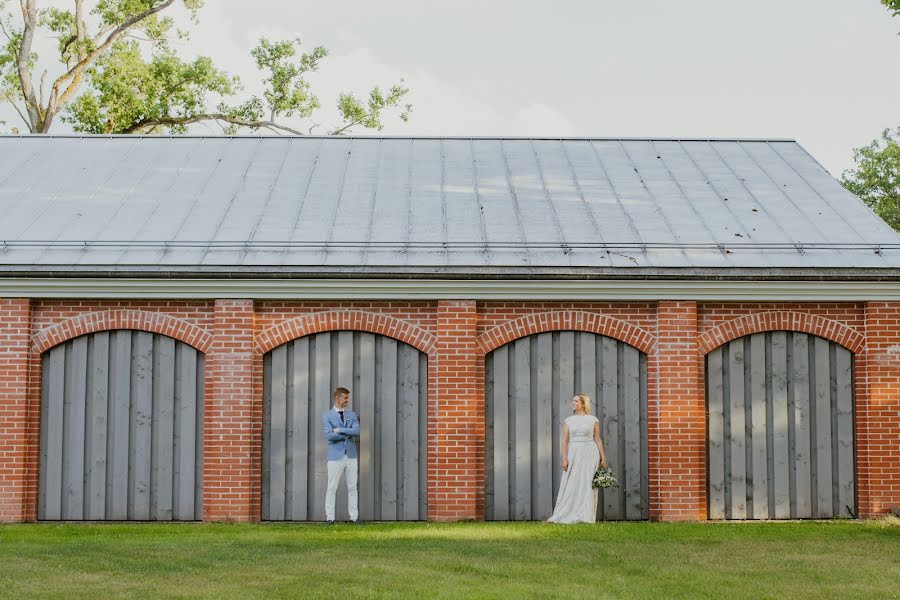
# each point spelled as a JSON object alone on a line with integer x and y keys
{"x": 341, "y": 427}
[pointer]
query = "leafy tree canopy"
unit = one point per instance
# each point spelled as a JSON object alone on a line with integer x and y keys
{"x": 875, "y": 176}
{"x": 893, "y": 6}
{"x": 120, "y": 73}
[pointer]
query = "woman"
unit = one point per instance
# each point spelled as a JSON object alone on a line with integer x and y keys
{"x": 582, "y": 450}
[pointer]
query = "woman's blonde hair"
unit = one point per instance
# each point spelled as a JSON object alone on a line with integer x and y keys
{"x": 585, "y": 402}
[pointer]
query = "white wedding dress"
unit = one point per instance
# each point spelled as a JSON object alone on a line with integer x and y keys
{"x": 577, "y": 499}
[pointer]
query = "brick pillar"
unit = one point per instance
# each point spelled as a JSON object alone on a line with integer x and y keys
{"x": 456, "y": 448}
{"x": 878, "y": 411}
{"x": 677, "y": 427}
{"x": 231, "y": 453}
{"x": 17, "y": 443}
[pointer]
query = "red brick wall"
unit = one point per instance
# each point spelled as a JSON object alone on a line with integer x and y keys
{"x": 716, "y": 313}
{"x": 51, "y": 312}
{"x": 456, "y": 335}
{"x": 16, "y": 440}
{"x": 456, "y": 457}
{"x": 639, "y": 314}
{"x": 677, "y": 428}
{"x": 273, "y": 312}
{"x": 878, "y": 410}
{"x": 232, "y": 425}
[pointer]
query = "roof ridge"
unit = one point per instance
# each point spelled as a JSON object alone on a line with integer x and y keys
{"x": 400, "y": 137}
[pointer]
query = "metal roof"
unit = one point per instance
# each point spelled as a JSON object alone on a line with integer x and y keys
{"x": 436, "y": 205}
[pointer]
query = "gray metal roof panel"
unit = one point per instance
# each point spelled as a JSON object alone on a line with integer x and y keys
{"x": 398, "y": 202}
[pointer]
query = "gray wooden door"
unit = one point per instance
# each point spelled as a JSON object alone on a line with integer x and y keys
{"x": 387, "y": 382}
{"x": 780, "y": 423}
{"x": 530, "y": 383}
{"x": 121, "y": 429}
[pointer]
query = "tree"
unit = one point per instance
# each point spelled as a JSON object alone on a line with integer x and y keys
{"x": 875, "y": 177}
{"x": 893, "y": 6}
{"x": 121, "y": 74}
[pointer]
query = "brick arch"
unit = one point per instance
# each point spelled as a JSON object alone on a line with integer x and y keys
{"x": 153, "y": 322}
{"x": 567, "y": 320}
{"x": 353, "y": 320}
{"x": 831, "y": 330}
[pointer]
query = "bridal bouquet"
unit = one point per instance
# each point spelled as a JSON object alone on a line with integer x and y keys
{"x": 604, "y": 478}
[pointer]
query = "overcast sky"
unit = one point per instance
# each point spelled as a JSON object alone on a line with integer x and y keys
{"x": 824, "y": 72}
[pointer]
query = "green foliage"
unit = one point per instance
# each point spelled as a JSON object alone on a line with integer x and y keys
{"x": 249, "y": 111}
{"x": 62, "y": 24}
{"x": 354, "y": 112}
{"x": 116, "y": 12}
{"x": 122, "y": 75}
{"x": 875, "y": 177}
{"x": 129, "y": 94}
{"x": 893, "y": 6}
{"x": 155, "y": 29}
{"x": 287, "y": 92}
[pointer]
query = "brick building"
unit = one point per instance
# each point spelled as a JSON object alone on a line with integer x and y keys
{"x": 175, "y": 311}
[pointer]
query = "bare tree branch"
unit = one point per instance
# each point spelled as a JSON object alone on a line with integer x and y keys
{"x": 5, "y": 32}
{"x": 79, "y": 19}
{"x": 145, "y": 124}
{"x": 43, "y": 81}
{"x": 132, "y": 36}
{"x": 344, "y": 128}
{"x": 29, "y": 15}
{"x": 21, "y": 114}
{"x": 102, "y": 34}
{"x": 80, "y": 28}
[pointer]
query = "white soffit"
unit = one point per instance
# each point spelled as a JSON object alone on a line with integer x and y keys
{"x": 419, "y": 289}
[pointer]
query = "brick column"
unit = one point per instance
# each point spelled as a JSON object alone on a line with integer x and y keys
{"x": 456, "y": 441}
{"x": 231, "y": 453}
{"x": 677, "y": 426}
{"x": 18, "y": 445}
{"x": 878, "y": 411}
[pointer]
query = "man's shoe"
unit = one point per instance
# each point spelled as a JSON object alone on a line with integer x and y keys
{"x": 329, "y": 522}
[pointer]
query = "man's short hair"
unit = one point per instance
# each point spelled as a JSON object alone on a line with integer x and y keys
{"x": 338, "y": 392}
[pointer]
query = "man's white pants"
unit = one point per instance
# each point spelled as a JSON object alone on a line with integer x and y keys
{"x": 336, "y": 468}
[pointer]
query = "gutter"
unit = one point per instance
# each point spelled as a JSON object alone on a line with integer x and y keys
{"x": 429, "y": 289}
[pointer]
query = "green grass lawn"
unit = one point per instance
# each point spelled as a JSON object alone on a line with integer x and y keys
{"x": 463, "y": 560}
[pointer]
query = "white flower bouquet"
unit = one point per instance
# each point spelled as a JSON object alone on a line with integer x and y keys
{"x": 604, "y": 478}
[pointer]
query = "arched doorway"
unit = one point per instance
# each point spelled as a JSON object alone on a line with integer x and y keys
{"x": 388, "y": 384}
{"x": 529, "y": 387}
{"x": 121, "y": 429}
{"x": 780, "y": 428}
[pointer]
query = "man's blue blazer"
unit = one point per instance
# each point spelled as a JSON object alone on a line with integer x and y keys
{"x": 344, "y": 441}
